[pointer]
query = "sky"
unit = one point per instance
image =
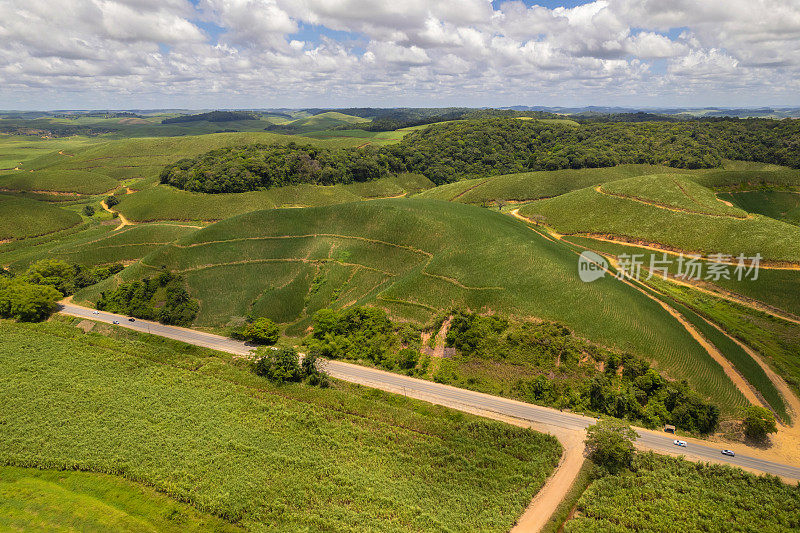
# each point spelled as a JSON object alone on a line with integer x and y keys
{"x": 200, "y": 54}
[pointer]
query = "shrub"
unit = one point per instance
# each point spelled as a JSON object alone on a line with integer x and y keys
{"x": 262, "y": 330}
{"x": 758, "y": 423}
{"x": 88, "y": 210}
{"x": 111, "y": 201}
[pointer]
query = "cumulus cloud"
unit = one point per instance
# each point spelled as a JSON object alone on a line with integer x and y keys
{"x": 227, "y": 53}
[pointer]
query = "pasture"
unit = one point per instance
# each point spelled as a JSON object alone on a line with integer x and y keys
{"x": 203, "y": 429}
{"x": 417, "y": 258}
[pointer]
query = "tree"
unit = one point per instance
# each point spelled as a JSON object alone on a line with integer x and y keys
{"x": 264, "y": 331}
{"x": 278, "y": 365}
{"x": 26, "y": 302}
{"x": 88, "y": 210}
{"x": 610, "y": 444}
{"x": 111, "y": 201}
{"x": 407, "y": 358}
{"x": 58, "y": 274}
{"x": 758, "y": 423}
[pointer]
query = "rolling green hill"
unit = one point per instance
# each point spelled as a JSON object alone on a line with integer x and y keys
{"x": 69, "y": 181}
{"x": 21, "y": 218}
{"x": 145, "y": 157}
{"x": 417, "y": 258}
{"x": 534, "y": 185}
{"x": 168, "y": 203}
{"x": 781, "y": 205}
{"x": 320, "y": 122}
{"x": 200, "y": 427}
{"x": 591, "y": 211}
{"x": 673, "y": 192}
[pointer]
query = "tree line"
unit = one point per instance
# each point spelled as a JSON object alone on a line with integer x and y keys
{"x": 484, "y": 147}
{"x": 31, "y": 296}
{"x": 163, "y": 298}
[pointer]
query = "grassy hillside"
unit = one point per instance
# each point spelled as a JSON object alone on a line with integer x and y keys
{"x": 665, "y": 494}
{"x": 203, "y": 429}
{"x": 17, "y": 150}
{"x": 21, "y": 218}
{"x": 145, "y": 157}
{"x": 535, "y": 185}
{"x": 672, "y": 191}
{"x": 773, "y": 287}
{"x": 417, "y": 258}
{"x": 48, "y": 500}
{"x": 591, "y": 211}
{"x": 71, "y": 181}
{"x": 322, "y": 121}
{"x": 168, "y": 203}
{"x": 782, "y": 205}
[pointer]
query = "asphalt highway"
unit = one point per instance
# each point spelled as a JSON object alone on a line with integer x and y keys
{"x": 437, "y": 393}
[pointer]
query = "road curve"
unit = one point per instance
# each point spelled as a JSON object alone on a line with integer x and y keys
{"x": 447, "y": 395}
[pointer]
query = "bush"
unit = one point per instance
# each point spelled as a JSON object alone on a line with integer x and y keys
{"x": 26, "y": 302}
{"x": 88, "y": 210}
{"x": 610, "y": 445}
{"x": 111, "y": 201}
{"x": 758, "y": 423}
{"x": 262, "y": 330}
{"x": 283, "y": 365}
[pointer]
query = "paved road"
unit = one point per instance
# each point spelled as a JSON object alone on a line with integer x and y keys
{"x": 443, "y": 394}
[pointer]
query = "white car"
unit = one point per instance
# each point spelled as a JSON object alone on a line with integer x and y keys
{"x": 681, "y": 443}
{"x": 95, "y": 312}
{"x": 729, "y": 453}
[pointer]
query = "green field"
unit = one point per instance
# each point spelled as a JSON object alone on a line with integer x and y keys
{"x": 322, "y": 121}
{"x": 69, "y": 181}
{"x": 17, "y": 150}
{"x": 774, "y": 287}
{"x": 21, "y": 218}
{"x": 665, "y": 494}
{"x": 417, "y": 258}
{"x": 145, "y": 157}
{"x": 48, "y": 500}
{"x": 534, "y": 185}
{"x": 198, "y": 427}
{"x": 781, "y": 205}
{"x": 590, "y": 211}
{"x": 672, "y": 191}
{"x": 168, "y": 203}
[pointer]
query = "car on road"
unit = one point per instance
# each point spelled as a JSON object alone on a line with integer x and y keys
{"x": 131, "y": 320}
{"x": 681, "y": 443}
{"x": 729, "y": 453}
{"x": 115, "y": 322}
{"x": 95, "y": 312}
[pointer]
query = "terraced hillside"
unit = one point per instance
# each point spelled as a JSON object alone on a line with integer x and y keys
{"x": 417, "y": 258}
{"x": 535, "y": 185}
{"x": 687, "y": 223}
